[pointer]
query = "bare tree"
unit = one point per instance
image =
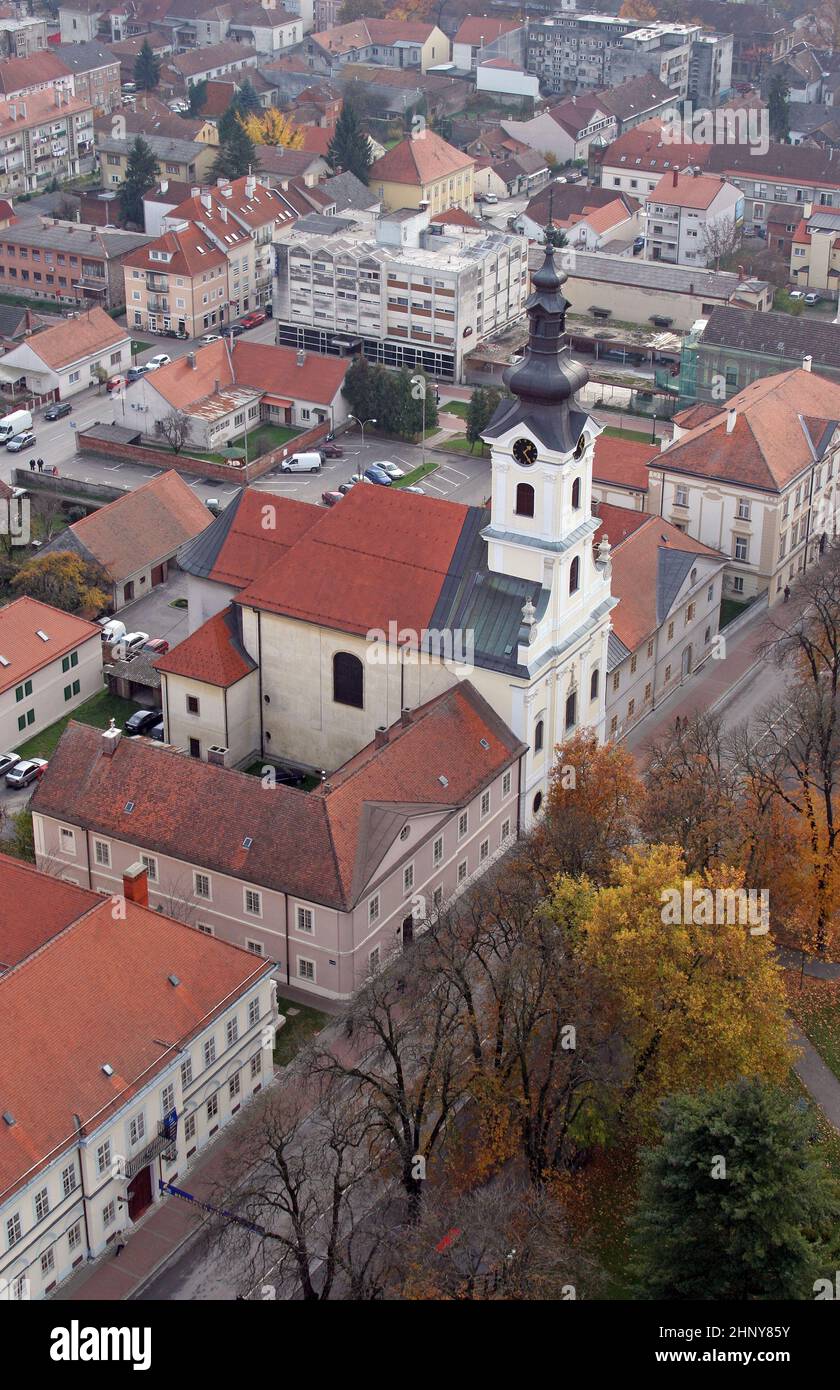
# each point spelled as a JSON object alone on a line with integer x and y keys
{"x": 175, "y": 428}
{"x": 721, "y": 239}
{"x": 692, "y": 794}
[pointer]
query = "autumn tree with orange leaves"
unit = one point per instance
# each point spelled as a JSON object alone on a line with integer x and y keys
{"x": 271, "y": 127}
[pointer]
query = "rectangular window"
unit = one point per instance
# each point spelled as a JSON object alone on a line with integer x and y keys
{"x": 137, "y": 1129}
{"x": 150, "y": 865}
{"x": 212, "y": 1107}
{"x": 306, "y": 968}
{"x": 689, "y": 613}
{"x": 483, "y": 851}
{"x": 13, "y": 1229}
{"x": 305, "y": 920}
{"x": 256, "y": 1065}
{"x": 255, "y": 947}
{"x": 742, "y": 547}
{"x": 373, "y": 909}
{"x": 233, "y": 1086}
{"x": 47, "y": 1262}
{"x": 485, "y": 803}
{"x": 167, "y": 1099}
{"x": 462, "y": 870}
{"x": 648, "y": 689}
{"x": 506, "y": 784}
{"x": 670, "y": 631}
{"x": 743, "y": 509}
{"x": 650, "y": 648}
{"x": 102, "y": 853}
{"x": 738, "y": 584}
{"x": 616, "y": 680}
{"x": 253, "y": 1013}
{"x": 42, "y": 1204}
{"x": 209, "y": 1052}
{"x": 463, "y": 824}
{"x": 74, "y": 1236}
{"x": 630, "y": 708}
{"x": 68, "y": 1179}
{"x": 253, "y": 902}
{"x": 186, "y": 1074}
{"x": 437, "y": 851}
{"x": 202, "y": 885}
{"x": 408, "y": 878}
{"x": 232, "y": 1031}
{"x": 632, "y": 665}
{"x": 667, "y": 673}
{"x": 103, "y": 1157}
{"x": 373, "y": 961}
{"x": 68, "y": 841}
{"x": 710, "y": 593}
{"x": 109, "y": 1214}
{"x": 193, "y": 706}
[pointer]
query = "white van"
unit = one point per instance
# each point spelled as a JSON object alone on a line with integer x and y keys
{"x": 301, "y": 463}
{"x": 17, "y": 423}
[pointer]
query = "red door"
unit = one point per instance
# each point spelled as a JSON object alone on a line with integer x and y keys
{"x": 140, "y": 1193}
{"x": 158, "y": 574}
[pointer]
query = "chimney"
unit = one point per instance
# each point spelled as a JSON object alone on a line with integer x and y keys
{"x": 164, "y": 184}
{"x": 110, "y": 739}
{"x": 217, "y": 386}
{"x": 194, "y": 191}
{"x": 223, "y": 213}
{"x": 250, "y": 187}
{"x": 301, "y": 357}
{"x": 206, "y": 199}
{"x": 731, "y": 417}
{"x": 136, "y": 884}
{"x": 191, "y": 360}
{"x": 674, "y": 178}
{"x": 405, "y": 717}
{"x": 380, "y": 738}
{"x": 806, "y": 362}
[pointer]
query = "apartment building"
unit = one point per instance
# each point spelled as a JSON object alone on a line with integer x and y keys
{"x": 669, "y": 588}
{"x": 186, "y": 161}
{"x": 180, "y": 71}
{"x": 269, "y": 31}
{"x": 21, "y": 37}
{"x": 407, "y": 291}
{"x": 797, "y": 175}
{"x": 50, "y": 662}
{"x": 66, "y": 263}
{"x": 760, "y": 36}
{"x": 259, "y": 217}
{"x": 151, "y": 1038}
{"x": 756, "y": 478}
{"x": 692, "y": 219}
{"x": 178, "y": 281}
{"x": 41, "y": 72}
{"x": 96, "y": 73}
{"x": 815, "y": 252}
{"x": 43, "y": 137}
{"x": 710, "y": 69}
{"x": 356, "y": 880}
{"x": 584, "y": 52}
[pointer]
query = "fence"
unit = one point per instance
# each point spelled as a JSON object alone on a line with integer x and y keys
{"x": 239, "y": 473}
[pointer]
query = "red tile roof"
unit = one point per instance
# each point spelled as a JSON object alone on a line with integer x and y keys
{"x": 317, "y": 138}
{"x": 263, "y": 366}
{"x": 230, "y": 201}
{"x": 142, "y": 528}
{"x": 192, "y": 253}
{"x": 642, "y": 148}
{"x": 17, "y": 74}
{"x": 238, "y": 545}
{"x": 481, "y": 29}
{"x": 686, "y": 190}
{"x": 26, "y": 652}
{"x": 622, "y": 461}
{"x": 382, "y": 554}
{"x": 73, "y": 339}
{"x": 201, "y": 814}
{"x": 419, "y": 159}
{"x": 213, "y": 653}
{"x": 217, "y": 55}
{"x": 779, "y": 423}
{"x": 35, "y": 907}
{"x": 456, "y": 217}
{"x": 362, "y": 33}
{"x": 116, "y": 973}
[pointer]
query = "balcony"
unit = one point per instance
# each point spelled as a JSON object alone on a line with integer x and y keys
{"x": 156, "y": 305}
{"x": 157, "y": 282}
{"x": 163, "y": 1140}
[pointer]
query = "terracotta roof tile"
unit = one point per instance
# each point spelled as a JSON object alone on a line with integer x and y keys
{"x": 143, "y": 527}
{"x": 73, "y": 339}
{"x": 238, "y": 546}
{"x": 623, "y": 461}
{"x": 482, "y": 29}
{"x": 191, "y": 251}
{"x": 686, "y": 190}
{"x": 35, "y": 907}
{"x": 213, "y": 653}
{"x": 24, "y": 651}
{"x": 419, "y": 159}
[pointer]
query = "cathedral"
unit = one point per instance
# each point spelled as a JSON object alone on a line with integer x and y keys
{"x": 312, "y": 630}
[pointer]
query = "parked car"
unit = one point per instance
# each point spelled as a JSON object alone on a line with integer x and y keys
{"x": 331, "y": 451}
{"x": 57, "y": 410}
{"x": 301, "y": 463}
{"x": 344, "y": 488}
{"x": 418, "y": 490}
{"x": 374, "y": 474}
{"x": 20, "y": 441}
{"x": 254, "y": 319}
{"x": 390, "y": 468}
{"x": 796, "y": 294}
{"x": 638, "y": 245}
{"x": 26, "y": 771}
{"x": 156, "y": 646}
{"x": 161, "y": 359}
{"x": 356, "y": 478}
{"x": 329, "y": 499}
{"x": 7, "y": 762}
{"x": 812, "y": 298}
{"x": 156, "y": 732}
{"x": 142, "y": 720}
{"x": 234, "y": 329}
{"x": 135, "y": 373}
{"x": 114, "y": 383}
{"x": 210, "y": 338}
{"x": 112, "y": 629}
{"x": 131, "y": 643}
{"x": 490, "y": 198}
{"x": 213, "y": 506}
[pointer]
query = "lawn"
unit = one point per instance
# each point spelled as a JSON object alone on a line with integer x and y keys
{"x": 824, "y": 1132}
{"x": 302, "y": 1023}
{"x": 416, "y": 474}
{"x": 816, "y": 1008}
{"x": 640, "y": 436}
{"x": 459, "y": 408}
{"x": 459, "y": 444}
{"x": 260, "y": 441}
{"x": 137, "y": 346}
{"x": 99, "y": 710}
{"x": 730, "y": 609}
{"x": 43, "y": 306}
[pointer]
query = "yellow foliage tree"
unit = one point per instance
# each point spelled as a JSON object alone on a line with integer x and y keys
{"x": 271, "y": 127}
{"x": 698, "y": 1002}
{"x": 638, "y": 9}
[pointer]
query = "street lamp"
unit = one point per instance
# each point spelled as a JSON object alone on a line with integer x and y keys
{"x": 371, "y": 420}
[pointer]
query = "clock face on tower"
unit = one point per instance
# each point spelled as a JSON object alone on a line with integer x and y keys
{"x": 525, "y": 452}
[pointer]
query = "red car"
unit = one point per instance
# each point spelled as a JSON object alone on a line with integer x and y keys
{"x": 331, "y": 451}
{"x": 254, "y": 319}
{"x": 329, "y": 499}
{"x": 114, "y": 384}
{"x": 156, "y": 646}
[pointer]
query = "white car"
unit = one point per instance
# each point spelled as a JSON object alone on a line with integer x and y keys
{"x": 418, "y": 490}
{"x": 796, "y": 294}
{"x": 391, "y": 469}
{"x": 210, "y": 338}
{"x": 162, "y": 359}
{"x": 812, "y": 298}
{"x": 130, "y": 644}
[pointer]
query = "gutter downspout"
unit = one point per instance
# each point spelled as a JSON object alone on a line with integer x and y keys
{"x": 259, "y": 669}
{"x": 89, "y": 874}
{"x": 288, "y": 957}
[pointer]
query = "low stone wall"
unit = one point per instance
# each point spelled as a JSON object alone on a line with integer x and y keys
{"x": 239, "y": 475}
{"x": 68, "y": 489}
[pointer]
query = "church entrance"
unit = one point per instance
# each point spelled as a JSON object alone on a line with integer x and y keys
{"x": 408, "y": 929}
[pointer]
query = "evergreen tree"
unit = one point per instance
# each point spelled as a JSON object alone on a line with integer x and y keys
{"x": 736, "y": 1203}
{"x": 141, "y": 174}
{"x": 147, "y": 68}
{"x": 237, "y": 154}
{"x": 198, "y": 97}
{"x": 778, "y": 107}
{"x": 360, "y": 389}
{"x": 478, "y": 414}
{"x": 349, "y": 148}
{"x": 246, "y": 101}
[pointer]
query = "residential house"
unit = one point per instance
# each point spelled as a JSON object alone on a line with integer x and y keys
{"x": 408, "y": 290}
{"x": 149, "y": 116}
{"x": 565, "y": 131}
{"x": 127, "y": 50}
{"x": 66, "y": 263}
{"x": 22, "y": 36}
{"x": 633, "y": 290}
{"x": 50, "y": 662}
{"x": 387, "y": 42}
{"x": 481, "y": 38}
{"x": 44, "y": 136}
{"x": 755, "y": 479}
{"x": 78, "y": 352}
{"x": 181, "y": 71}
{"x": 423, "y": 171}
{"x": 187, "y": 161}
{"x": 17, "y": 322}
{"x": 267, "y": 30}
{"x": 636, "y": 100}
{"x": 135, "y": 538}
{"x": 368, "y": 857}
{"x": 279, "y": 166}
{"x": 567, "y": 203}
{"x": 96, "y": 73}
{"x": 169, "y": 1034}
{"x": 178, "y": 281}
{"x": 226, "y": 391}
{"x": 159, "y": 201}
{"x": 636, "y": 162}
{"x": 79, "y": 20}
{"x": 732, "y": 347}
{"x": 815, "y": 251}
{"x": 692, "y": 219}
{"x": 41, "y": 72}
{"x": 669, "y": 591}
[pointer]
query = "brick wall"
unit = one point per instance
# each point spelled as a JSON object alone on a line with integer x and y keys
{"x": 183, "y": 463}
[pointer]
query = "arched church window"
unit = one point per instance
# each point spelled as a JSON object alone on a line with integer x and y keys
{"x": 571, "y": 710}
{"x": 348, "y": 680}
{"x": 594, "y": 684}
{"x": 539, "y": 734}
{"x": 574, "y": 575}
{"x": 537, "y": 803}
{"x": 524, "y": 499}
{"x": 576, "y": 493}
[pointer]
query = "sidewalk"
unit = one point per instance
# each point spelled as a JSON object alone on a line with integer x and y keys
{"x": 713, "y": 684}
{"x": 817, "y": 1078}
